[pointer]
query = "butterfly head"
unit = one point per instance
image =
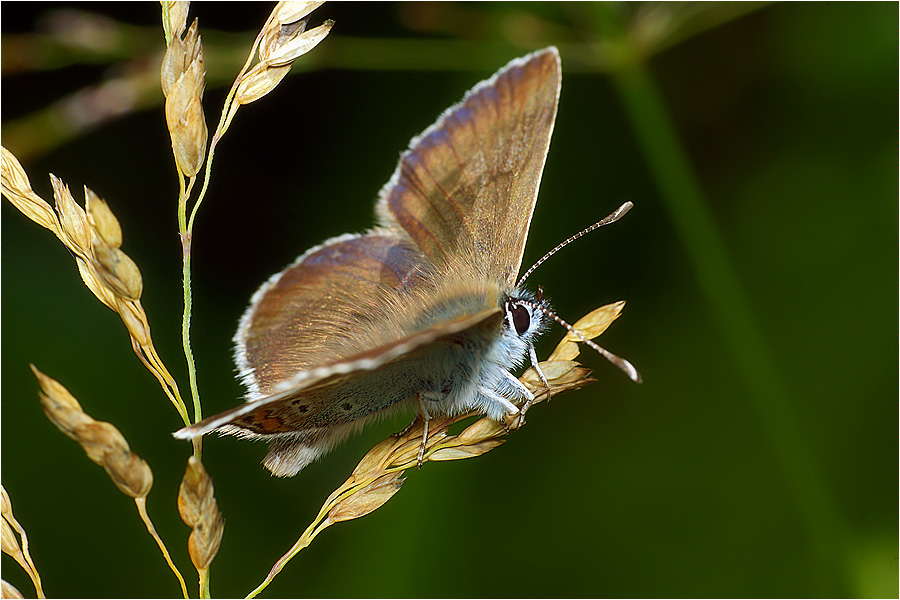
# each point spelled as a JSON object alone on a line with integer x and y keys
{"x": 525, "y": 315}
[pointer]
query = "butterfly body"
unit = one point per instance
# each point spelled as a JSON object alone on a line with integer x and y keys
{"x": 420, "y": 313}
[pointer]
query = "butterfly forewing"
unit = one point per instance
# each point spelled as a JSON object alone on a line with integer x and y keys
{"x": 450, "y": 192}
{"x": 312, "y": 313}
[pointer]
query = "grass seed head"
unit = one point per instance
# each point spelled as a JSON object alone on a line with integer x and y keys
{"x": 128, "y": 471}
{"x": 291, "y": 12}
{"x": 283, "y": 40}
{"x": 374, "y": 459}
{"x": 101, "y": 441}
{"x": 8, "y": 590}
{"x": 259, "y": 81}
{"x": 367, "y": 499}
{"x": 465, "y": 450}
{"x": 480, "y": 430}
{"x": 135, "y": 320}
{"x": 274, "y": 35}
{"x": 177, "y": 17}
{"x": 183, "y": 80}
{"x": 17, "y": 188}
{"x": 590, "y": 326}
{"x": 93, "y": 236}
{"x": 116, "y": 269}
{"x": 199, "y": 511}
{"x": 102, "y": 219}
{"x": 8, "y": 542}
{"x": 89, "y": 277}
{"x": 295, "y": 42}
{"x": 73, "y": 222}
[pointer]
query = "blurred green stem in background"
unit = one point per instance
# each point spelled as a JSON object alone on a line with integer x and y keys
{"x": 719, "y": 282}
{"x": 132, "y": 54}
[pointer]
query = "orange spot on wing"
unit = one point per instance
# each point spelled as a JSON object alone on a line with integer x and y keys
{"x": 266, "y": 423}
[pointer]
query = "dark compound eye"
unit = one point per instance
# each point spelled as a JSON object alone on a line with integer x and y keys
{"x": 521, "y": 318}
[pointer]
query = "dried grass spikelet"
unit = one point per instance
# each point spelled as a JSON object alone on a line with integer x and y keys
{"x": 283, "y": 39}
{"x": 174, "y": 17}
{"x": 8, "y": 590}
{"x": 73, "y": 225}
{"x": 369, "y": 497}
{"x": 94, "y": 237}
{"x": 102, "y": 219}
{"x": 106, "y": 446}
{"x": 199, "y": 511}
{"x": 11, "y": 547}
{"x": 17, "y": 189}
{"x": 101, "y": 441}
{"x": 183, "y": 79}
{"x": 590, "y": 326}
{"x": 379, "y": 474}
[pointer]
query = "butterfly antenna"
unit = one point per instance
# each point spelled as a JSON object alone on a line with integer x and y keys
{"x": 615, "y": 216}
{"x": 618, "y": 361}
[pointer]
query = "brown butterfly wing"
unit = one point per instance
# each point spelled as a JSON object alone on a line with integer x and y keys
{"x": 316, "y": 409}
{"x": 313, "y": 313}
{"x": 467, "y": 186}
{"x": 295, "y": 404}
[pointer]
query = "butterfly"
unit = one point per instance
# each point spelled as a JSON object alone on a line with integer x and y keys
{"x": 421, "y": 312}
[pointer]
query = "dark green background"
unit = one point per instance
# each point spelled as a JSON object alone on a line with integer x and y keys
{"x": 788, "y": 116}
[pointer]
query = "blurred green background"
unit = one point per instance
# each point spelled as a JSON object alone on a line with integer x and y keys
{"x": 759, "y": 145}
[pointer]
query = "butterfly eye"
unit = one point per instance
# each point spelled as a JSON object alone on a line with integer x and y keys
{"x": 521, "y": 318}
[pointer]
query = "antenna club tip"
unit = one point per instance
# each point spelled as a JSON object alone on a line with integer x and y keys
{"x": 628, "y": 369}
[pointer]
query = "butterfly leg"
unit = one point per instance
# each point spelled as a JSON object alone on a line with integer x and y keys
{"x": 406, "y": 429}
{"x": 426, "y": 418}
{"x": 512, "y": 411}
{"x": 424, "y": 415}
{"x": 530, "y": 400}
{"x": 516, "y": 418}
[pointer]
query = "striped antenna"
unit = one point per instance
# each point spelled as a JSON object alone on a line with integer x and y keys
{"x": 618, "y": 361}
{"x": 615, "y": 216}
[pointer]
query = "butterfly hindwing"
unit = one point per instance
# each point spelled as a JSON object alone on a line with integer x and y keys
{"x": 312, "y": 411}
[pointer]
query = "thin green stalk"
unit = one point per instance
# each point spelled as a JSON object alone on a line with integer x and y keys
{"x": 185, "y": 233}
{"x": 224, "y": 121}
{"x": 167, "y": 33}
{"x": 204, "y": 584}
{"x": 186, "y": 228}
{"x": 141, "y": 503}
{"x": 186, "y": 323}
{"x": 314, "y": 529}
{"x": 319, "y": 524}
{"x": 732, "y": 310}
{"x": 206, "y": 176}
